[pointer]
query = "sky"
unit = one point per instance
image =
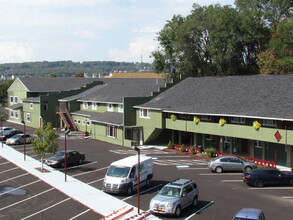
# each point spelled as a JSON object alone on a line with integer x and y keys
{"x": 86, "y": 30}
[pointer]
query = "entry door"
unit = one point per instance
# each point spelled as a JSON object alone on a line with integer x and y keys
{"x": 137, "y": 135}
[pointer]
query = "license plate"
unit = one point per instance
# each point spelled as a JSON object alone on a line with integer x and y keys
{"x": 159, "y": 209}
{"x": 243, "y": 177}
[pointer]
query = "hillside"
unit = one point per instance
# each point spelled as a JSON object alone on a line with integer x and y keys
{"x": 69, "y": 68}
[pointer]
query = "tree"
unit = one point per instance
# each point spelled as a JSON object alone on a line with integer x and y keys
{"x": 79, "y": 74}
{"x": 3, "y": 118}
{"x": 3, "y": 91}
{"x": 51, "y": 75}
{"x": 46, "y": 141}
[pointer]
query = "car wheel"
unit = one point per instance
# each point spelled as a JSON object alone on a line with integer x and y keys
{"x": 259, "y": 183}
{"x": 62, "y": 165}
{"x": 178, "y": 211}
{"x": 148, "y": 182}
{"x": 195, "y": 200}
{"x": 129, "y": 190}
{"x": 80, "y": 161}
{"x": 219, "y": 169}
{"x": 247, "y": 169}
{"x": 17, "y": 142}
{"x": 291, "y": 182}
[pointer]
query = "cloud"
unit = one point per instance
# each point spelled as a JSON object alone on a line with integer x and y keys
{"x": 139, "y": 48}
{"x": 15, "y": 52}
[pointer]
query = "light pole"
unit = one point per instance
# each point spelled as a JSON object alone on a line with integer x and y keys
{"x": 2, "y": 132}
{"x": 135, "y": 147}
{"x": 65, "y": 153}
{"x": 24, "y": 139}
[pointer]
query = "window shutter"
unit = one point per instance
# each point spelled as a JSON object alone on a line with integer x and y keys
{"x": 115, "y": 132}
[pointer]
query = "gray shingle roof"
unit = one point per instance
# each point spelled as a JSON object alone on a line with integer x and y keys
{"x": 32, "y": 99}
{"x": 15, "y": 106}
{"x": 259, "y": 96}
{"x": 113, "y": 118}
{"x": 114, "y": 89}
{"x": 44, "y": 84}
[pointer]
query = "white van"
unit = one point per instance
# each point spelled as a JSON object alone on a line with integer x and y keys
{"x": 121, "y": 176}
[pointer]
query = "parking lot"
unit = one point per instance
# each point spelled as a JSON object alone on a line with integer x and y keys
{"x": 221, "y": 195}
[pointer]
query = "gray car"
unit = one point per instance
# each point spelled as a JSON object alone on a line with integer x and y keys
{"x": 174, "y": 197}
{"x": 230, "y": 163}
{"x": 250, "y": 214}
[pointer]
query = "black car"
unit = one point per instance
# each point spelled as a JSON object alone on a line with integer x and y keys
{"x": 268, "y": 176}
{"x": 73, "y": 157}
{"x": 9, "y": 135}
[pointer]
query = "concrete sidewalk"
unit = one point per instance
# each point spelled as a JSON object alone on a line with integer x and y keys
{"x": 87, "y": 195}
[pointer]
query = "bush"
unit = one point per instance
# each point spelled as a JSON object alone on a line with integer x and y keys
{"x": 210, "y": 151}
{"x": 192, "y": 150}
{"x": 183, "y": 148}
{"x": 170, "y": 145}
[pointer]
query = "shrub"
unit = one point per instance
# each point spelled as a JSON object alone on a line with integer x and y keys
{"x": 210, "y": 151}
{"x": 192, "y": 150}
{"x": 183, "y": 148}
{"x": 170, "y": 145}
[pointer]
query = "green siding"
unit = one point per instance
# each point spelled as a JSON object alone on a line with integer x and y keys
{"x": 34, "y": 114}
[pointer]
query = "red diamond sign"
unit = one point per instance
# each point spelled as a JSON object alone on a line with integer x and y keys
{"x": 278, "y": 136}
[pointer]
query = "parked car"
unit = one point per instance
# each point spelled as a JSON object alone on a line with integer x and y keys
{"x": 11, "y": 134}
{"x": 268, "y": 176}
{"x": 5, "y": 131}
{"x": 250, "y": 214}
{"x": 19, "y": 139}
{"x": 58, "y": 159}
{"x": 174, "y": 197}
{"x": 230, "y": 163}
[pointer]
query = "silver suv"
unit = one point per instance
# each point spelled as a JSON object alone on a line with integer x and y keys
{"x": 174, "y": 197}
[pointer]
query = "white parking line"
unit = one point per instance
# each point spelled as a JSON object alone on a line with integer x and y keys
{"x": 192, "y": 168}
{"x": 287, "y": 197}
{"x": 4, "y": 163}
{"x": 220, "y": 174}
{"x": 45, "y": 209}
{"x": 16, "y": 203}
{"x": 9, "y": 170}
{"x": 277, "y": 188}
{"x": 14, "y": 177}
{"x": 95, "y": 181}
{"x": 79, "y": 174}
{"x": 200, "y": 210}
{"x": 142, "y": 192}
{"x": 228, "y": 181}
{"x": 20, "y": 187}
{"x": 80, "y": 214}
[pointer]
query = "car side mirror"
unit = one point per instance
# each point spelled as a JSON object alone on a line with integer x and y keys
{"x": 183, "y": 194}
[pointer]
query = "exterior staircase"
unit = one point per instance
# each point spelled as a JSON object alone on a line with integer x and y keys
{"x": 67, "y": 119}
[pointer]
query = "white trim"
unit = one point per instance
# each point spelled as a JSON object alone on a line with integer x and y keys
{"x": 110, "y": 107}
{"x": 31, "y": 105}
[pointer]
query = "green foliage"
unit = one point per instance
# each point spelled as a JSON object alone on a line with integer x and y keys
{"x": 3, "y": 116}
{"x": 69, "y": 68}
{"x": 46, "y": 140}
{"x": 170, "y": 145}
{"x": 3, "y": 91}
{"x": 51, "y": 75}
{"x": 183, "y": 148}
{"x": 192, "y": 150}
{"x": 210, "y": 151}
{"x": 79, "y": 74}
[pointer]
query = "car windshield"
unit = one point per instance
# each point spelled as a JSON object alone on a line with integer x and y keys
{"x": 118, "y": 171}
{"x": 60, "y": 154}
{"x": 17, "y": 136}
{"x": 170, "y": 191}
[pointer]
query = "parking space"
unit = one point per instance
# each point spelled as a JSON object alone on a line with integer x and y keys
{"x": 221, "y": 195}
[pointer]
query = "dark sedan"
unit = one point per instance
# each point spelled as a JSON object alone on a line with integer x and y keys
{"x": 73, "y": 157}
{"x": 268, "y": 176}
{"x": 9, "y": 135}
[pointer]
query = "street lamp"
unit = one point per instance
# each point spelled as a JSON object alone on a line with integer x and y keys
{"x": 135, "y": 147}
{"x": 2, "y": 132}
{"x": 65, "y": 153}
{"x": 24, "y": 146}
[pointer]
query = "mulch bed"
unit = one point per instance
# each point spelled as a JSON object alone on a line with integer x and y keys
{"x": 42, "y": 170}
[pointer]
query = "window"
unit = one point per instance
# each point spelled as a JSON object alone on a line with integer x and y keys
{"x": 237, "y": 120}
{"x": 16, "y": 114}
{"x": 120, "y": 108}
{"x": 144, "y": 113}
{"x": 83, "y": 122}
{"x": 45, "y": 106}
{"x": 85, "y": 105}
{"x": 111, "y": 131}
{"x": 31, "y": 105}
{"x": 74, "y": 120}
{"x": 15, "y": 99}
{"x": 94, "y": 106}
{"x": 271, "y": 123}
{"x": 11, "y": 99}
{"x": 78, "y": 121}
{"x": 110, "y": 107}
{"x": 88, "y": 123}
{"x": 11, "y": 114}
{"x": 28, "y": 117}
